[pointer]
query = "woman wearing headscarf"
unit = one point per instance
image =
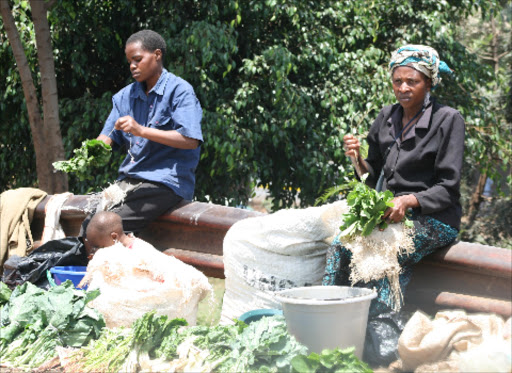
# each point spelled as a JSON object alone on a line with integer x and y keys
{"x": 416, "y": 149}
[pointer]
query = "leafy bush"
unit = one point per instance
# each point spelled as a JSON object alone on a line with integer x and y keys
{"x": 280, "y": 83}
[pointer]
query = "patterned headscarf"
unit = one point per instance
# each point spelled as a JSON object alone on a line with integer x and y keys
{"x": 422, "y": 58}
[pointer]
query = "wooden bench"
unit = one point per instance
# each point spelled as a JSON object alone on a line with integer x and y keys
{"x": 474, "y": 277}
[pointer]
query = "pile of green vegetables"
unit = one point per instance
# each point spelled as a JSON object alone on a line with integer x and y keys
{"x": 161, "y": 344}
{"x": 92, "y": 153}
{"x": 5, "y": 294}
{"x": 35, "y": 321}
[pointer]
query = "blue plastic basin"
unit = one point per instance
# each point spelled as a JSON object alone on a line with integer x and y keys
{"x": 73, "y": 273}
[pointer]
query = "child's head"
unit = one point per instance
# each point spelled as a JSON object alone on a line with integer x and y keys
{"x": 104, "y": 230}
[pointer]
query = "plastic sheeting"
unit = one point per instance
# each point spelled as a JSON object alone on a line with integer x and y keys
{"x": 63, "y": 252}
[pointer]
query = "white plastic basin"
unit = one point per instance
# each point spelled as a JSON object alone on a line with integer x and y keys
{"x": 326, "y": 317}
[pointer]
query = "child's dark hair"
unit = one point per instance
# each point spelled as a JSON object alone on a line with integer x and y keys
{"x": 149, "y": 40}
{"x": 105, "y": 222}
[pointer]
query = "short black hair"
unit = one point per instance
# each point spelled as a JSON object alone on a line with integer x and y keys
{"x": 150, "y": 41}
{"x": 105, "y": 222}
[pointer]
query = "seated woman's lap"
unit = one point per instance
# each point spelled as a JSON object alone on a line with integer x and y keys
{"x": 429, "y": 235}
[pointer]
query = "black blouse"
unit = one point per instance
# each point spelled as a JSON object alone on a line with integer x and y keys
{"x": 426, "y": 163}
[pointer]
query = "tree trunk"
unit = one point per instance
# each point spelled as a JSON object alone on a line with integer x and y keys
{"x": 476, "y": 198}
{"x": 55, "y": 182}
{"x": 46, "y": 147}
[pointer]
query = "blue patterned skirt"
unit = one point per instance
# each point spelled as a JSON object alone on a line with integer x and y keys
{"x": 429, "y": 235}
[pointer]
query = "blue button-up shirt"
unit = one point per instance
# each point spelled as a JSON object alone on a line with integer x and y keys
{"x": 170, "y": 105}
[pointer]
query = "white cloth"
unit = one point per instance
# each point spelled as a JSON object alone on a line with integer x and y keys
{"x": 52, "y": 228}
{"x": 457, "y": 341}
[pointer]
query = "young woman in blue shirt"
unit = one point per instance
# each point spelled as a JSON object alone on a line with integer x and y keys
{"x": 157, "y": 119}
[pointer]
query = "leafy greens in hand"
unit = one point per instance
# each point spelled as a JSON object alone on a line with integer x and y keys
{"x": 92, "y": 153}
{"x": 367, "y": 206}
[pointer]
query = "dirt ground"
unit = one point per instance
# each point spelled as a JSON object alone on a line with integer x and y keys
{"x": 55, "y": 368}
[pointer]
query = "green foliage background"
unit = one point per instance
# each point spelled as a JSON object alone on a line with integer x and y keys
{"x": 280, "y": 83}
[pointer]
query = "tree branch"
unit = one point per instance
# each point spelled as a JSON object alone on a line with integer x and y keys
{"x": 502, "y": 55}
{"x": 29, "y": 89}
{"x": 49, "y": 4}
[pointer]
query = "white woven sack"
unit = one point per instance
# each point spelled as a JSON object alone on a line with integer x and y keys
{"x": 240, "y": 297}
{"x": 277, "y": 251}
{"x": 135, "y": 281}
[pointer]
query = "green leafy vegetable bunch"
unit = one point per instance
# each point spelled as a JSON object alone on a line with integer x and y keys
{"x": 158, "y": 343}
{"x": 92, "y": 153}
{"x": 264, "y": 346}
{"x": 35, "y": 321}
{"x": 216, "y": 339}
{"x": 5, "y": 294}
{"x": 337, "y": 360}
{"x": 106, "y": 354}
{"x": 114, "y": 348}
{"x": 367, "y": 206}
{"x": 149, "y": 332}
